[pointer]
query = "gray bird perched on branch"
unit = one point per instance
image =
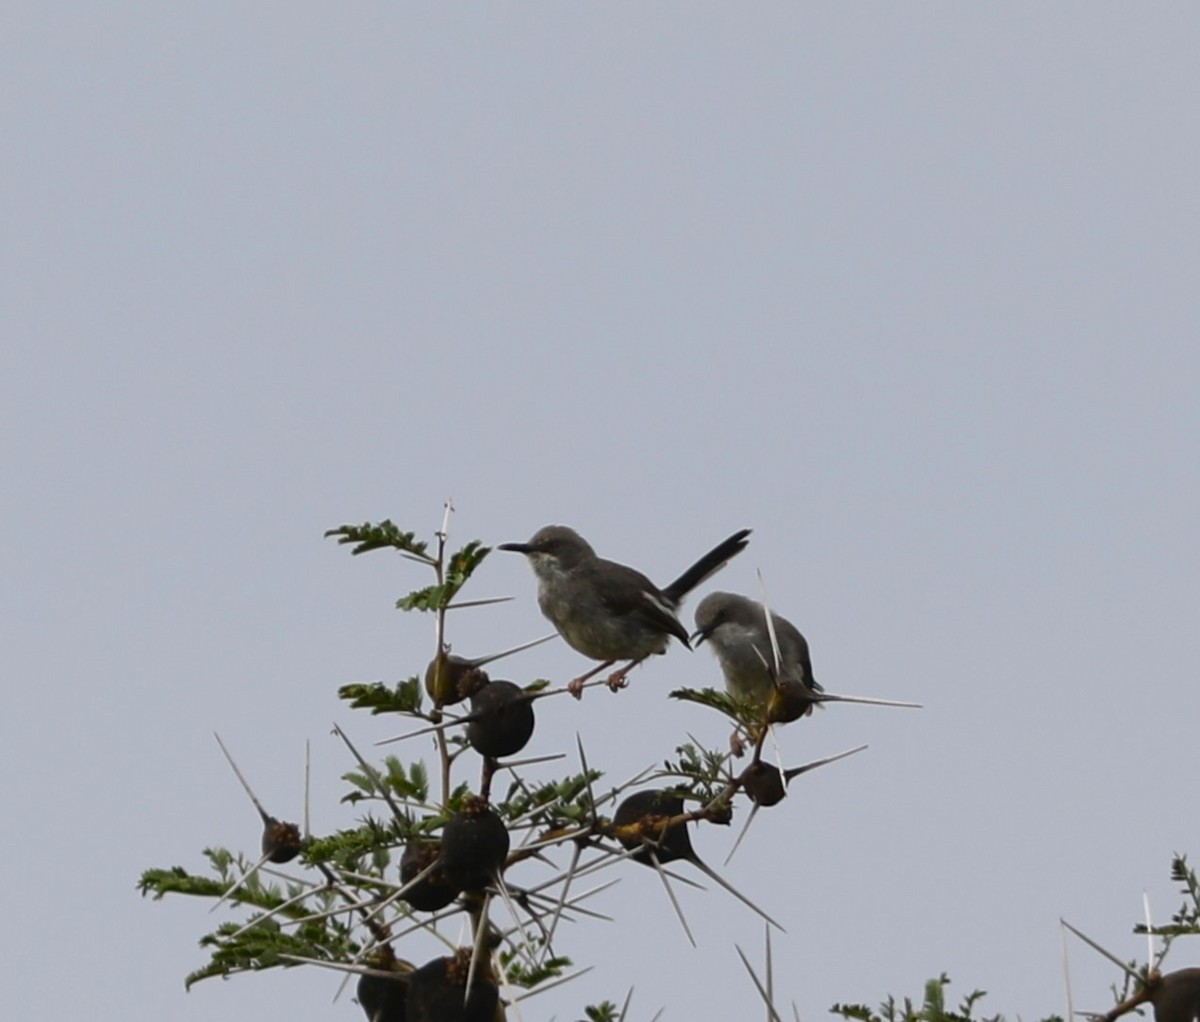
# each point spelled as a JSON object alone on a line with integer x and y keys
{"x": 736, "y": 628}
{"x": 608, "y": 611}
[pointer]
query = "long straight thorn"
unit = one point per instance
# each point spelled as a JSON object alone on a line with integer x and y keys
{"x": 270, "y": 913}
{"x": 772, "y": 1014}
{"x": 574, "y": 904}
{"x": 487, "y": 602}
{"x": 671, "y": 894}
{"x": 615, "y": 856}
{"x": 244, "y": 877}
{"x": 447, "y": 721}
{"x": 1107, "y": 954}
{"x": 1150, "y": 963}
{"x": 439, "y": 567}
{"x": 716, "y": 878}
{"x": 307, "y": 785}
{"x": 587, "y": 774}
{"x": 576, "y": 852}
{"x": 1066, "y": 967}
{"x": 508, "y": 991}
{"x": 526, "y": 944}
{"x": 770, "y": 625}
{"x": 482, "y": 661}
{"x": 541, "y": 988}
{"x": 770, "y": 968}
{"x": 778, "y": 751}
{"x": 245, "y": 784}
{"x": 830, "y": 697}
{"x": 358, "y": 970}
{"x": 371, "y": 772}
{"x": 625, "y": 1006}
{"x": 741, "y": 833}
{"x": 477, "y": 946}
{"x": 796, "y": 771}
{"x": 345, "y": 982}
{"x": 379, "y": 908}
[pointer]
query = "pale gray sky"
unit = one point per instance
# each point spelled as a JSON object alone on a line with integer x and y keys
{"x": 912, "y": 291}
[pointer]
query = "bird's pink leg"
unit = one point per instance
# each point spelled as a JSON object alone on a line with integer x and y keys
{"x": 616, "y": 680}
{"x": 575, "y": 686}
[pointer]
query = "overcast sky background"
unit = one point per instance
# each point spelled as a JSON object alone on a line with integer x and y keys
{"x": 911, "y": 290}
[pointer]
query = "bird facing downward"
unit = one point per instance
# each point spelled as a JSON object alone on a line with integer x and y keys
{"x": 608, "y": 611}
{"x": 736, "y": 627}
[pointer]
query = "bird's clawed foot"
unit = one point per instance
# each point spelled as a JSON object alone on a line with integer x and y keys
{"x": 617, "y": 680}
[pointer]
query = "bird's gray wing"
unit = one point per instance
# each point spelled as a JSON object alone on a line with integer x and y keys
{"x": 794, "y": 649}
{"x": 628, "y": 593}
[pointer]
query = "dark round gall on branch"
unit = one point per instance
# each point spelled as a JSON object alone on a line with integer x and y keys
{"x": 438, "y": 992}
{"x": 645, "y": 816}
{"x": 1176, "y": 996}
{"x": 475, "y": 845}
{"x": 503, "y": 719}
{"x": 651, "y": 809}
{"x": 434, "y": 891}
{"x": 764, "y": 784}
{"x": 385, "y": 998}
{"x": 280, "y": 841}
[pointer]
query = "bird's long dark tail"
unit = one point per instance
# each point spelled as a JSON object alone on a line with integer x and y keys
{"x": 707, "y": 566}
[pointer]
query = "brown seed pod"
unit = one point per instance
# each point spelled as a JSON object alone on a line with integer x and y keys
{"x": 450, "y": 679}
{"x": 475, "y": 844}
{"x": 501, "y": 721}
{"x": 437, "y": 992}
{"x": 280, "y": 841}
{"x": 788, "y": 701}
{"x": 434, "y": 892}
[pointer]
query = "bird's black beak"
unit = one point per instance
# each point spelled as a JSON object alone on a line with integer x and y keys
{"x": 516, "y": 548}
{"x": 699, "y": 635}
